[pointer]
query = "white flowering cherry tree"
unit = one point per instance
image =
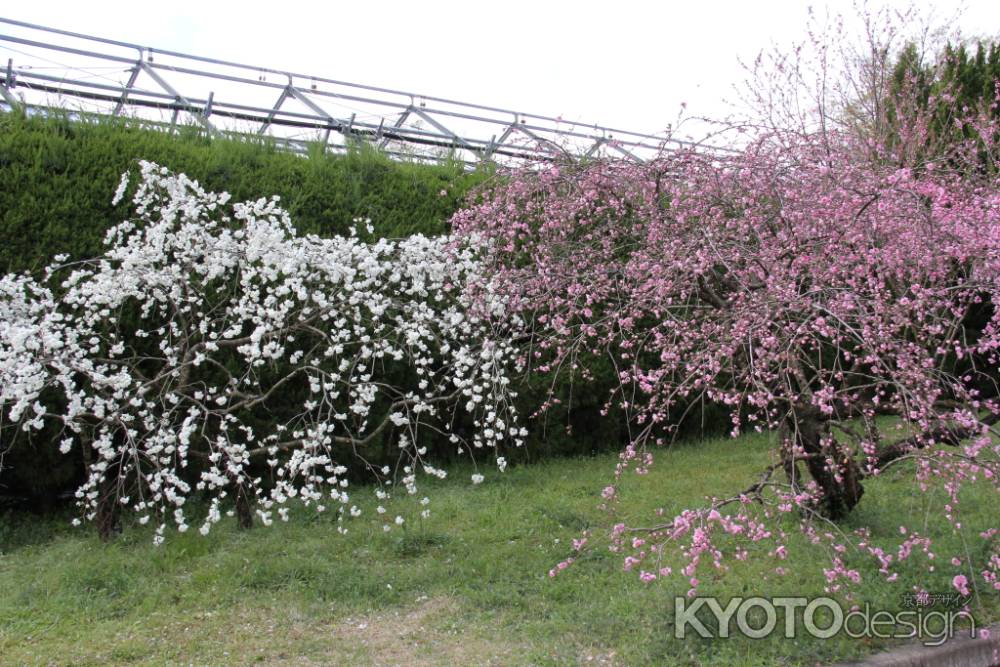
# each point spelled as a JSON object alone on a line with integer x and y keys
{"x": 211, "y": 351}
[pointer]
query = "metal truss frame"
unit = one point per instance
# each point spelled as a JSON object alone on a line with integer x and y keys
{"x": 47, "y": 68}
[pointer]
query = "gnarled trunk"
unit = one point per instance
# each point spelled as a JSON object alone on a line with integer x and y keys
{"x": 828, "y": 463}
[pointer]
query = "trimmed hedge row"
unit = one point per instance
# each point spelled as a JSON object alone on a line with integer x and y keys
{"x": 58, "y": 177}
{"x": 59, "y": 174}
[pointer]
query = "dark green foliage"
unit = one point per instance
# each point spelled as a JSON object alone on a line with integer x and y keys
{"x": 972, "y": 79}
{"x": 946, "y": 93}
{"x": 59, "y": 176}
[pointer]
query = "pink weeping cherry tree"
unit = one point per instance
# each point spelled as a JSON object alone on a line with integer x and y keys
{"x": 833, "y": 284}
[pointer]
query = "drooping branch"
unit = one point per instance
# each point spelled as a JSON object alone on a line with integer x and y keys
{"x": 946, "y": 435}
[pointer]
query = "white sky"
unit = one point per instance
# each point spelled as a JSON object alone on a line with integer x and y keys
{"x": 625, "y": 64}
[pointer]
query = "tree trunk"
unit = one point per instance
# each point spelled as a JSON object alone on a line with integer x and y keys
{"x": 109, "y": 523}
{"x": 829, "y": 464}
{"x": 244, "y": 512}
{"x": 108, "y": 511}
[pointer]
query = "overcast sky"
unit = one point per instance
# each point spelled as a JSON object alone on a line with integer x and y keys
{"x": 624, "y": 63}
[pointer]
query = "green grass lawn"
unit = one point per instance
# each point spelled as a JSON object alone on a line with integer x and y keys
{"x": 467, "y": 586}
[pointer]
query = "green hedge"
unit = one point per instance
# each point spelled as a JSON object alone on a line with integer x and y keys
{"x": 59, "y": 175}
